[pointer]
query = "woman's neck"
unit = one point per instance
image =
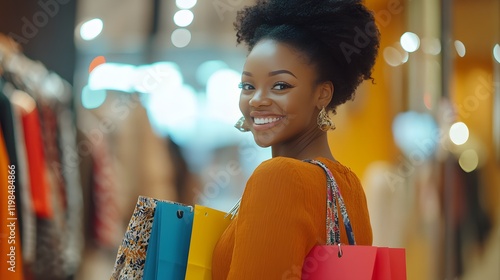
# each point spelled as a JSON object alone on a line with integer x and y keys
{"x": 308, "y": 146}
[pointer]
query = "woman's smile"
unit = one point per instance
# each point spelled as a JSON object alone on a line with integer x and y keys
{"x": 262, "y": 120}
{"x": 263, "y": 123}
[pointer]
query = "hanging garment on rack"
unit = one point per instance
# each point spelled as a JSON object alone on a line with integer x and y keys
{"x": 49, "y": 247}
{"x": 70, "y": 169}
{"x": 47, "y": 152}
{"x": 28, "y": 236}
{"x": 106, "y": 217}
{"x": 40, "y": 189}
{"x": 50, "y": 132}
{"x": 7, "y": 124}
{"x": 63, "y": 169}
{"x": 10, "y": 242}
{"x": 51, "y": 231}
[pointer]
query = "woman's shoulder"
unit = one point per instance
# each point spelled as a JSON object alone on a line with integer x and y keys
{"x": 283, "y": 180}
{"x": 281, "y": 174}
{"x": 299, "y": 176}
{"x": 282, "y": 183}
{"x": 285, "y": 166}
{"x": 289, "y": 172}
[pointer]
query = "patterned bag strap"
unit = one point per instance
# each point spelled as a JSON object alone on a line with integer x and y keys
{"x": 234, "y": 210}
{"x": 332, "y": 216}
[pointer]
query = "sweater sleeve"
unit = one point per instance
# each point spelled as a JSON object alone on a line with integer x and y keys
{"x": 274, "y": 230}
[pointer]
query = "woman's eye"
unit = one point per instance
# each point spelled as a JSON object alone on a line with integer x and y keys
{"x": 245, "y": 86}
{"x": 282, "y": 86}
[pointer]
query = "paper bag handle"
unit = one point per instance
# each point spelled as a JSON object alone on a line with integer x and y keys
{"x": 332, "y": 217}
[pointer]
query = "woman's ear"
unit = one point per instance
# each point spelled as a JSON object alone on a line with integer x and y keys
{"x": 326, "y": 90}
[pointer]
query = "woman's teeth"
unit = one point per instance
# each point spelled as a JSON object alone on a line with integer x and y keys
{"x": 265, "y": 120}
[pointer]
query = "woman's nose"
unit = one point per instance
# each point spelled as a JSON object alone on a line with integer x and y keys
{"x": 260, "y": 98}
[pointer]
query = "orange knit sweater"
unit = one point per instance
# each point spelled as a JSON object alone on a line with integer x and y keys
{"x": 282, "y": 216}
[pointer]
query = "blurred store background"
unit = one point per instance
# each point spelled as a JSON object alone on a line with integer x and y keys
{"x": 140, "y": 98}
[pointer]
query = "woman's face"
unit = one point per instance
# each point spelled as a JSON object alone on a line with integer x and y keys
{"x": 279, "y": 97}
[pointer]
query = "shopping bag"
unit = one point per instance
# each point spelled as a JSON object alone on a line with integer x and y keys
{"x": 338, "y": 262}
{"x": 208, "y": 226}
{"x": 168, "y": 247}
{"x": 131, "y": 255}
{"x": 347, "y": 262}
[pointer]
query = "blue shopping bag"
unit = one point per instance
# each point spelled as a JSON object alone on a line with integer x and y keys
{"x": 168, "y": 248}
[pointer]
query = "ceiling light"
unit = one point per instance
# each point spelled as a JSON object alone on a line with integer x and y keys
{"x": 496, "y": 52}
{"x": 468, "y": 161}
{"x": 91, "y": 29}
{"x": 183, "y": 18}
{"x": 410, "y": 42}
{"x": 181, "y": 37}
{"x": 459, "y": 133}
{"x": 185, "y": 4}
{"x": 394, "y": 57}
{"x": 460, "y": 47}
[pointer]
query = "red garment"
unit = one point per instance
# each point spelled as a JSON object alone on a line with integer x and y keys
{"x": 40, "y": 189}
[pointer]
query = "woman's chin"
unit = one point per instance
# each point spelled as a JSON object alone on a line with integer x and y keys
{"x": 262, "y": 140}
{"x": 262, "y": 145}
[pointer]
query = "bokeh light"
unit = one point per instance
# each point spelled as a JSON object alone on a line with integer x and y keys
{"x": 181, "y": 37}
{"x": 113, "y": 76}
{"x": 89, "y": 30}
{"x": 207, "y": 69}
{"x": 431, "y": 46}
{"x": 92, "y": 99}
{"x": 460, "y": 47}
{"x": 469, "y": 160}
{"x": 96, "y": 62}
{"x": 496, "y": 52}
{"x": 183, "y": 18}
{"x": 394, "y": 57}
{"x": 223, "y": 95}
{"x": 459, "y": 133}
{"x": 173, "y": 112}
{"x": 185, "y": 4}
{"x": 410, "y": 41}
{"x": 416, "y": 134}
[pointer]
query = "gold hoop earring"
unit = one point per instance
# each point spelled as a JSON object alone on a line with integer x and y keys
{"x": 240, "y": 125}
{"x": 324, "y": 121}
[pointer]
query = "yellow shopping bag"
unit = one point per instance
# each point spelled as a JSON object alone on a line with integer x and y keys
{"x": 208, "y": 226}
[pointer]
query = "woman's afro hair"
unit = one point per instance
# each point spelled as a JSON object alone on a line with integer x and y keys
{"x": 339, "y": 37}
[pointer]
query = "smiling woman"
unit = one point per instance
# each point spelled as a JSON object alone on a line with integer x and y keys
{"x": 279, "y": 95}
{"x": 306, "y": 58}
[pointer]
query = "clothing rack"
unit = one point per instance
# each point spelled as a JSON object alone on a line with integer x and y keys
{"x": 31, "y": 76}
{"x": 38, "y": 141}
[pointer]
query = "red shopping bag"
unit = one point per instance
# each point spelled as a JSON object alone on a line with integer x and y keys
{"x": 353, "y": 262}
{"x": 349, "y": 262}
